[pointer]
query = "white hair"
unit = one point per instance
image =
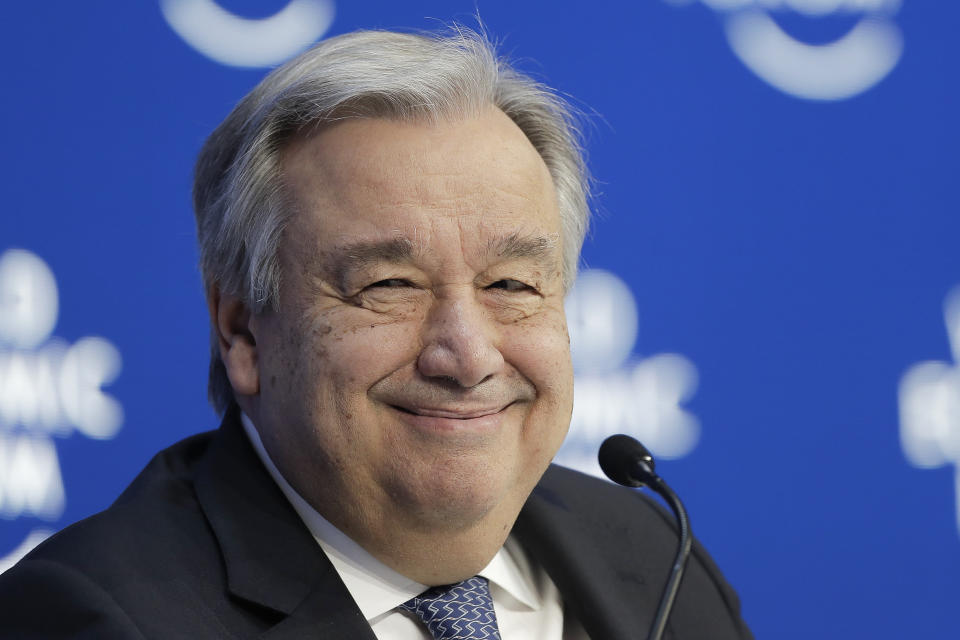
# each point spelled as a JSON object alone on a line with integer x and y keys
{"x": 239, "y": 198}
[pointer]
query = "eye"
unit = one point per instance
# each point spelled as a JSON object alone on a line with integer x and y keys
{"x": 511, "y": 285}
{"x": 389, "y": 283}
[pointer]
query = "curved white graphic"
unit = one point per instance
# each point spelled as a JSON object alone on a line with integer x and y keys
{"x": 930, "y": 405}
{"x": 48, "y": 388}
{"x": 28, "y": 298}
{"x": 835, "y": 70}
{"x": 813, "y": 8}
{"x": 242, "y": 42}
{"x": 614, "y": 393}
{"x": 602, "y": 321}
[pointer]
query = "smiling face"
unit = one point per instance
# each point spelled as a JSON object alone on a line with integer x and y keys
{"x": 416, "y": 376}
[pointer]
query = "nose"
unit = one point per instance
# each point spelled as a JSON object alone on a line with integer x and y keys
{"x": 459, "y": 341}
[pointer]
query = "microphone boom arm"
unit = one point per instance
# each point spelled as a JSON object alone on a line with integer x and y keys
{"x": 657, "y": 484}
{"x": 627, "y": 462}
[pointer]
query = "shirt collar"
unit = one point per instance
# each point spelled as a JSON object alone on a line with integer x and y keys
{"x": 376, "y": 588}
{"x": 510, "y": 570}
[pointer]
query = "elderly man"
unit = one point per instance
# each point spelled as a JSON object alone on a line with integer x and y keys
{"x": 387, "y": 226}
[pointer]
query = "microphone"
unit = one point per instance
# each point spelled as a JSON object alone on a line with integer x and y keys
{"x": 628, "y": 463}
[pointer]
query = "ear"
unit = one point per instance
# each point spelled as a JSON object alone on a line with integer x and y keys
{"x": 238, "y": 347}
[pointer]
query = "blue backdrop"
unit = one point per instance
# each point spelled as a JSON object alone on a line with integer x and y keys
{"x": 767, "y": 295}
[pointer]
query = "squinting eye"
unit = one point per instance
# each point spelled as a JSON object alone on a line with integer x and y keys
{"x": 390, "y": 283}
{"x": 511, "y": 285}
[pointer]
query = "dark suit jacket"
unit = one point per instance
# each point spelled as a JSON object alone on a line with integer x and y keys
{"x": 204, "y": 545}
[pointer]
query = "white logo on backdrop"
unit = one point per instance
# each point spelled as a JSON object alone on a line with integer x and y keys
{"x": 835, "y": 70}
{"x": 614, "y": 393}
{"x": 930, "y": 405}
{"x": 243, "y": 42}
{"x": 47, "y": 388}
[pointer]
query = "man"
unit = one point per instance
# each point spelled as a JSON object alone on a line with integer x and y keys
{"x": 388, "y": 225}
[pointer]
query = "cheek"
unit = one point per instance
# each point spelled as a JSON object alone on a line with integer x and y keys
{"x": 358, "y": 354}
{"x": 540, "y": 351}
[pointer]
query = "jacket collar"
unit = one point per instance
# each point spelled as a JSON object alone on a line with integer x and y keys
{"x": 600, "y": 585}
{"x": 270, "y": 557}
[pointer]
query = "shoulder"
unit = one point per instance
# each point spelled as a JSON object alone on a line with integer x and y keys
{"x": 47, "y": 599}
{"x": 92, "y": 574}
{"x": 159, "y": 502}
{"x": 598, "y": 501}
{"x": 630, "y": 540}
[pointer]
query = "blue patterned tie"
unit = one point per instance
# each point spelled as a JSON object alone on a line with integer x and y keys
{"x": 462, "y": 611}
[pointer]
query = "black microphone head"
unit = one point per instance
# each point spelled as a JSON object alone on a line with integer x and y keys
{"x": 626, "y": 461}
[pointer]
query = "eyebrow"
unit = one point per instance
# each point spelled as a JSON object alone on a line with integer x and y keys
{"x": 345, "y": 258}
{"x": 515, "y": 245}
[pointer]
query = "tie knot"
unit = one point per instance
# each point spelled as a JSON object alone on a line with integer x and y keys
{"x": 462, "y": 611}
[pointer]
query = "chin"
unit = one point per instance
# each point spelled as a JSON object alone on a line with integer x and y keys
{"x": 454, "y": 499}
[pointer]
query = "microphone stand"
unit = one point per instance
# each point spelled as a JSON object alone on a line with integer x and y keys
{"x": 657, "y": 484}
{"x": 628, "y": 463}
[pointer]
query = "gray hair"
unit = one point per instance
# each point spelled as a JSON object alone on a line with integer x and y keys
{"x": 241, "y": 205}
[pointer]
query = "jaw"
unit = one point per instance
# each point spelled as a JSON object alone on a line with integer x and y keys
{"x": 448, "y": 538}
{"x": 443, "y": 523}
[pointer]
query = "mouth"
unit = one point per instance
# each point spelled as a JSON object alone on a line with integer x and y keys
{"x": 450, "y": 413}
{"x": 452, "y": 420}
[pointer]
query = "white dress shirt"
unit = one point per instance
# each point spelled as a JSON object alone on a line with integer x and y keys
{"x": 526, "y": 602}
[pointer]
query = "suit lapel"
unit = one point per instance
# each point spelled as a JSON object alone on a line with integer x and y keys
{"x": 604, "y": 589}
{"x": 271, "y": 558}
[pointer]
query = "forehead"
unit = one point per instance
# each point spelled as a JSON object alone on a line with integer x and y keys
{"x": 376, "y": 178}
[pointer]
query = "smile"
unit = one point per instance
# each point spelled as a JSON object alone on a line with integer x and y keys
{"x": 452, "y": 414}
{"x": 447, "y": 420}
